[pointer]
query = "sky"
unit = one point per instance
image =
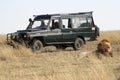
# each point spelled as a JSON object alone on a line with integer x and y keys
{"x": 14, "y": 14}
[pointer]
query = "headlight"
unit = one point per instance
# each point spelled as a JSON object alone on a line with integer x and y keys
{"x": 25, "y": 36}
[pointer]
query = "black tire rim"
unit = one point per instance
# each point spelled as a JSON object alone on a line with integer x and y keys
{"x": 78, "y": 44}
{"x": 37, "y": 46}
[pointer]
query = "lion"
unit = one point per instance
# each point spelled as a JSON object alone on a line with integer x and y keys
{"x": 105, "y": 48}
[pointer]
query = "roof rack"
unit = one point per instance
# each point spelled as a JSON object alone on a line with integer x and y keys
{"x": 65, "y": 14}
{"x": 49, "y": 15}
{"x": 81, "y": 13}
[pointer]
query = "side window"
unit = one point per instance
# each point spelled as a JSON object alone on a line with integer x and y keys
{"x": 66, "y": 23}
{"x": 55, "y": 24}
{"x": 36, "y": 25}
{"x": 90, "y": 22}
{"x": 42, "y": 24}
{"x": 81, "y": 22}
{"x": 76, "y": 22}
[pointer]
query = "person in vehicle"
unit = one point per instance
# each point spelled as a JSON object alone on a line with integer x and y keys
{"x": 55, "y": 25}
{"x": 43, "y": 25}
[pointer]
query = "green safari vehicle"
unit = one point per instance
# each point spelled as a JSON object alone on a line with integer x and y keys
{"x": 60, "y": 30}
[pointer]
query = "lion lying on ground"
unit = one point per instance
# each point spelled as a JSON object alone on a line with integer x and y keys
{"x": 105, "y": 48}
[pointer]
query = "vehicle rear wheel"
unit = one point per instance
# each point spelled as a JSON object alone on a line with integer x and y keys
{"x": 37, "y": 46}
{"x": 78, "y": 44}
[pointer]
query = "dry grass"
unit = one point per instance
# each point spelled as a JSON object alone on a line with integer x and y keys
{"x": 52, "y": 64}
{"x": 112, "y": 36}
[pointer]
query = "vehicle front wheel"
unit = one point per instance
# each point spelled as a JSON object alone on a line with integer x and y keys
{"x": 78, "y": 44}
{"x": 37, "y": 46}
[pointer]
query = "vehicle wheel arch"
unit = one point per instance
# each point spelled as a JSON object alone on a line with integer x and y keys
{"x": 39, "y": 38}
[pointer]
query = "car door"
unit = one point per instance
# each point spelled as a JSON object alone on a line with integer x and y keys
{"x": 54, "y": 36}
{"x": 67, "y": 31}
{"x": 67, "y": 35}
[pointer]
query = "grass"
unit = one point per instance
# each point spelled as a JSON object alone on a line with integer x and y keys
{"x": 112, "y": 36}
{"x": 52, "y": 64}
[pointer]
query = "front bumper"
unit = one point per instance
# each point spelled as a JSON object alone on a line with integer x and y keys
{"x": 22, "y": 40}
{"x": 9, "y": 39}
{"x": 12, "y": 39}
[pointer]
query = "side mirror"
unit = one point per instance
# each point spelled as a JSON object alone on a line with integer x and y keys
{"x": 30, "y": 20}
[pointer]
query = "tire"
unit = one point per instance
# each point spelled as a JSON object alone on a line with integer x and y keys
{"x": 37, "y": 46}
{"x": 78, "y": 44}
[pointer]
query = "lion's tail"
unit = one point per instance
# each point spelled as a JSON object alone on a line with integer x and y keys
{"x": 84, "y": 54}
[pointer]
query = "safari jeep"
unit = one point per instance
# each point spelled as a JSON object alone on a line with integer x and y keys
{"x": 60, "y": 30}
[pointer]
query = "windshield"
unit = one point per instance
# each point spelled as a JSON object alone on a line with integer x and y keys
{"x": 42, "y": 24}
